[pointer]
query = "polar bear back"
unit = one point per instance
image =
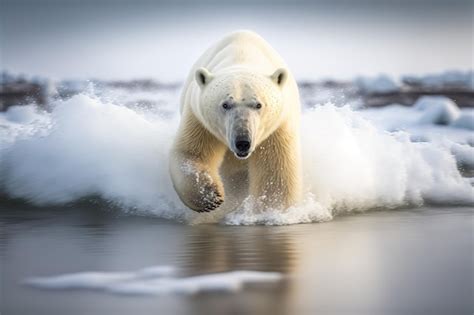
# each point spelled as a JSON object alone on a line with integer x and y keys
{"x": 238, "y": 50}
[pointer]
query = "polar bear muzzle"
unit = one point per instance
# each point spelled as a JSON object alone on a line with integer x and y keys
{"x": 241, "y": 129}
{"x": 242, "y": 144}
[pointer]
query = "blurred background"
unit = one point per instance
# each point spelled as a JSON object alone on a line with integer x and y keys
{"x": 108, "y": 39}
{"x": 354, "y": 47}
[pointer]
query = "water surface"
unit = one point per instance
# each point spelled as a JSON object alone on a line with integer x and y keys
{"x": 391, "y": 262}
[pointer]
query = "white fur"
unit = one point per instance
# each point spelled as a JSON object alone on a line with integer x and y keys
{"x": 245, "y": 71}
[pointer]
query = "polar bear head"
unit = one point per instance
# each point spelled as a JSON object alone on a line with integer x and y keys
{"x": 241, "y": 108}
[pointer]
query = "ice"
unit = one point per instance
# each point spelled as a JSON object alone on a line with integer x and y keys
{"x": 464, "y": 155}
{"x": 431, "y": 119}
{"x": 20, "y": 114}
{"x": 451, "y": 78}
{"x": 379, "y": 84}
{"x": 437, "y": 110}
{"x": 465, "y": 121}
{"x": 144, "y": 282}
{"x": 81, "y": 280}
{"x": 434, "y": 119}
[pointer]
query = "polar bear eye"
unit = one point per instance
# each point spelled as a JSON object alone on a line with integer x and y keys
{"x": 258, "y": 106}
{"x": 226, "y": 105}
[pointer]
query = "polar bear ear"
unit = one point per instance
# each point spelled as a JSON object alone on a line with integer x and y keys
{"x": 203, "y": 77}
{"x": 279, "y": 76}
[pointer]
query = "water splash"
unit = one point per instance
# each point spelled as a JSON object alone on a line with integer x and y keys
{"x": 86, "y": 146}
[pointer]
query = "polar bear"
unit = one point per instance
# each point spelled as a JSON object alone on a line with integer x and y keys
{"x": 239, "y": 129}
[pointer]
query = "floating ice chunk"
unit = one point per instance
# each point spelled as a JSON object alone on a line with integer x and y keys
{"x": 222, "y": 282}
{"x": 154, "y": 281}
{"x": 438, "y": 110}
{"x": 81, "y": 280}
{"x": 99, "y": 280}
{"x": 157, "y": 271}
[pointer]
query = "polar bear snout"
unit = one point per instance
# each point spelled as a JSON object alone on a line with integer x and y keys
{"x": 241, "y": 128}
{"x": 242, "y": 146}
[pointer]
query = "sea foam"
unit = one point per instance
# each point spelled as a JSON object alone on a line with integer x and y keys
{"x": 86, "y": 147}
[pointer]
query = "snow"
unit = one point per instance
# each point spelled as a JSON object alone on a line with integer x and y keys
{"x": 379, "y": 84}
{"x": 20, "y": 114}
{"x": 433, "y": 119}
{"x": 451, "y": 78}
{"x": 438, "y": 110}
{"x": 465, "y": 121}
{"x": 464, "y": 155}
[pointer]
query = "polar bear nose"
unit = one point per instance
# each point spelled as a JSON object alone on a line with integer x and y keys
{"x": 242, "y": 144}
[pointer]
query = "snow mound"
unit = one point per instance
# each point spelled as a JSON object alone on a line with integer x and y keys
{"x": 379, "y": 84}
{"x": 438, "y": 110}
{"x": 21, "y": 114}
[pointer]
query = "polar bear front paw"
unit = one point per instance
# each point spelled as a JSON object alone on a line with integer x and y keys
{"x": 209, "y": 198}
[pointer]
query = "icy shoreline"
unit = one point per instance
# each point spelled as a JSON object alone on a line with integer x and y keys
{"x": 375, "y": 91}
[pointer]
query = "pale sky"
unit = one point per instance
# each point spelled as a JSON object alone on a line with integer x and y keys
{"x": 159, "y": 39}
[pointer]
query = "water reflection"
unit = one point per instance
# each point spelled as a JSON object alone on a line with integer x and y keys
{"x": 42, "y": 242}
{"x": 222, "y": 248}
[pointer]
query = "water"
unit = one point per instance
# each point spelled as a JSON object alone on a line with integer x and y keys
{"x": 390, "y": 262}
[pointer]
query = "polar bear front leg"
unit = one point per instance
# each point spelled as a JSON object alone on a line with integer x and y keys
{"x": 275, "y": 170}
{"x": 194, "y": 166}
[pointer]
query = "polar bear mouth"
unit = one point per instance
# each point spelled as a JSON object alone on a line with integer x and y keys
{"x": 242, "y": 155}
